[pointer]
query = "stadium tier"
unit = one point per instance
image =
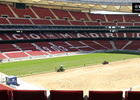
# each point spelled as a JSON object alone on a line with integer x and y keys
{"x": 86, "y": 26}
{"x": 36, "y": 15}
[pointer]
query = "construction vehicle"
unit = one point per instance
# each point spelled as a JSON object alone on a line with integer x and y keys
{"x": 61, "y": 68}
{"x": 105, "y": 62}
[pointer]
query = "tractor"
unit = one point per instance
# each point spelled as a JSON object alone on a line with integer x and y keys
{"x": 61, "y": 68}
{"x": 105, "y": 62}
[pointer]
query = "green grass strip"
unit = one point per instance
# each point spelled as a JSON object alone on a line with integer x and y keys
{"x": 24, "y": 68}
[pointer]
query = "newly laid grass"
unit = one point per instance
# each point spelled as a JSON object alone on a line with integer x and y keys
{"x": 24, "y": 68}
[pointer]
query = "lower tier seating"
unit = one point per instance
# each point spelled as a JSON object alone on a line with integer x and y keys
{"x": 54, "y": 47}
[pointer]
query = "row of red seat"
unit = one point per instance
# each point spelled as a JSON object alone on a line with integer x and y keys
{"x": 35, "y": 12}
{"x": 67, "y": 95}
{"x": 25, "y": 21}
{"x": 44, "y": 48}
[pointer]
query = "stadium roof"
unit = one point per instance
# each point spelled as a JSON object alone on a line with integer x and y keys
{"x": 103, "y": 2}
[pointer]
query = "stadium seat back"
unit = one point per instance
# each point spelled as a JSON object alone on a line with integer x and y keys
{"x": 5, "y": 95}
{"x": 29, "y": 95}
{"x": 132, "y": 95}
{"x": 66, "y": 95}
{"x": 105, "y": 95}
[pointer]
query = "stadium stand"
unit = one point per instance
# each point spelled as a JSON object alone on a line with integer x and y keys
{"x": 62, "y": 14}
{"x": 130, "y": 18}
{"x": 23, "y": 13}
{"x": 61, "y": 22}
{"x": 42, "y": 22}
{"x": 78, "y": 32}
{"x": 79, "y": 16}
{"x": 8, "y": 48}
{"x": 19, "y": 21}
{"x": 42, "y": 40}
{"x": 15, "y": 54}
{"x": 92, "y": 23}
{"x": 15, "y": 36}
{"x": 4, "y": 21}
{"x": 108, "y": 24}
{"x": 95, "y": 17}
{"x": 40, "y": 12}
{"x": 77, "y": 22}
{"x": 112, "y": 18}
{"x": 6, "y": 11}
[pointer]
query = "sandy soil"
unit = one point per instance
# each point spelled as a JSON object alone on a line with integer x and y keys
{"x": 118, "y": 75}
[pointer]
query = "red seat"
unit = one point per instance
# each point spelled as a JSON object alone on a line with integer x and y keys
{"x": 132, "y": 95}
{"x": 66, "y": 95}
{"x": 5, "y": 95}
{"x": 105, "y": 95}
{"x": 29, "y": 95}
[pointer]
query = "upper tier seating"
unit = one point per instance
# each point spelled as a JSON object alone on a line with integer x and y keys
{"x": 3, "y": 21}
{"x": 137, "y": 24}
{"x": 105, "y": 95}
{"x": 77, "y": 22}
{"x": 41, "y": 21}
{"x": 108, "y": 24}
{"x": 66, "y": 95}
{"x": 23, "y": 12}
{"x": 61, "y": 14}
{"x": 4, "y": 10}
{"x": 79, "y": 15}
{"x": 96, "y": 17}
{"x": 43, "y": 12}
{"x": 29, "y": 95}
{"x": 60, "y": 22}
{"x": 93, "y": 23}
{"x": 19, "y": 21}
{"x": 130, "y": 18}
{"x": 112, "y": 18}
{"x": 125, "y": 24}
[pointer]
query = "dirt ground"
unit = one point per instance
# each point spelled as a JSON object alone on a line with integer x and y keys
{"x": 120, "y": 75}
